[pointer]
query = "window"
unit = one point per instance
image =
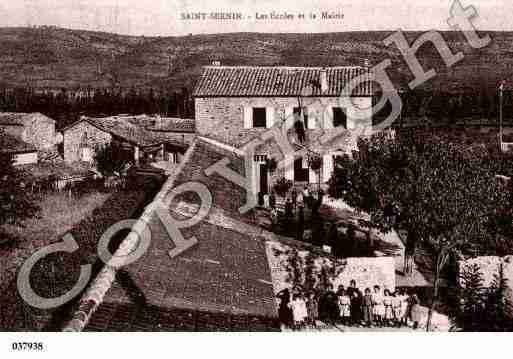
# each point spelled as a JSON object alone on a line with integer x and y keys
{"x": 339, "y": 117}
{"x": 259, "y": 117}
{"x": 297, "y": 114}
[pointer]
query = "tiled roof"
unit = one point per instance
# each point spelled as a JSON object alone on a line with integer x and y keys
{"x": 18, "y": 118}
{"x": 221, "y": 283}
{"x": 129, "y": 128}
{"x": 170, "y": 124}
{"x": 252, "y": 81}
{"x": 10, "y": 144}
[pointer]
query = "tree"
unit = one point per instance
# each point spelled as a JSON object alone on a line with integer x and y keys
{"x": 15, "y": 202}
{"x": 283, "y": 186}
{"x": 471, "y": 298}
{"x": 498, "y": 307}
{"x": 446, "y": 192}
{"x": 111, "y": 159}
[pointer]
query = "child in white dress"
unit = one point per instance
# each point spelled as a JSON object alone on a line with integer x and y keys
{"x": 344, "y": 303}
{"x": 378, "y": 308}
{"x": 397, "y": 308}
{"x": 387, "y": 303}
{"x": 404, "y": 308}
{"x": 299, "y": 311}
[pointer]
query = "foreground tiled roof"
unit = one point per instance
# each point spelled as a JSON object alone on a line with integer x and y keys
{"x": 10, "y": 144}
{"x": 221, "y": 283}
{"x": 253, "y": 81}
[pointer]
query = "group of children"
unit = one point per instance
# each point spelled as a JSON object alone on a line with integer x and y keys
{"x": 350, "y": 307}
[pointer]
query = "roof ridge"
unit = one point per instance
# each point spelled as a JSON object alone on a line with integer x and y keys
{"x": 221, "y": 145}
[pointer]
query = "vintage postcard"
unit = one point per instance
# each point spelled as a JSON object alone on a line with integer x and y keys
{"x": 241, "y": 166}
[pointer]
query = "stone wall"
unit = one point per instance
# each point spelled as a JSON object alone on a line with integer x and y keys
{"x": 40, "y": 132}
{"x": 25, "y": 158}
{"x": 73, "y": 138}
{"x": 223, "y": 118}
{"x": 367, "y": 272}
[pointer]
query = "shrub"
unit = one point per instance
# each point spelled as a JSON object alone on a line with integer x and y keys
{"x": 283, "y": 186}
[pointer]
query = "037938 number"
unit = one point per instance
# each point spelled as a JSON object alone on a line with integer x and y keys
{"x": 27, "y": 346}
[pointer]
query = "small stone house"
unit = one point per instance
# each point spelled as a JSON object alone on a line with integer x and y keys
{"x": 237, "y": 104}
{"x": 136, "y": 134}
{"x": 23, "y": 153}
{"x": 33, "y": 128}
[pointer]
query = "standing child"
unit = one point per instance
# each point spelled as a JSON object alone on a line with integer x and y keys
{"x": 367, "y": 308}
{"x": 415, "y": 312}
{"x": 294, "y": 198}
{"x": 306, "y": 197}
{"x": 284, "y": 311}
{"x": 344, "y": 303}
{"x": 397, "y": 308}
{"x": 389, "y": 311}
{"x": 312, "y": 308}
{"x": 404, "y": 307}
{"x": 299, "y": 312}
{"x": 378, "y": 308}
{"x": 300, "y": 200}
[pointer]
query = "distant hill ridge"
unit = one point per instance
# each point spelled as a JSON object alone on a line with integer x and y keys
{"x": 51, "y": 57}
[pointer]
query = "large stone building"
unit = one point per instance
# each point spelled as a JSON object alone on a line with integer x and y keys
{"x": 33, "y": 128}
{"x": 143, "y": 136}
{"x": 235, "y": 105}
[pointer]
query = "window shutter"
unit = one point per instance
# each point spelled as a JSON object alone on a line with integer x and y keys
{"x": 313, "y": 176}
{"x": 248, "y": 117}
{"x": 312, "y": 121}
{"x": 305, "y": 162}
{"x": 327, "y": 167}
{"x": 289, "y": 116}
{"x": 328, "y": 118}
{"x": 269, "y": 117}
{"x": 289, "y": 167}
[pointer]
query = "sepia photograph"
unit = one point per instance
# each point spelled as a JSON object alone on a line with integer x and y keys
{"x": 301, "y": 167}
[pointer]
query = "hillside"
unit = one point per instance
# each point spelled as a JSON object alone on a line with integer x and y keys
{"x": 54, "y": 57}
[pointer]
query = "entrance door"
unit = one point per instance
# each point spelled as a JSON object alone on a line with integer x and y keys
{"x": 300, "y": 173}
{"x": 263, "y": 178}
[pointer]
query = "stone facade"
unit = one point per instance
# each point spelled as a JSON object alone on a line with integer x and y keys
{"x": 228, "y": 120}
{"x": 82, "y": 138}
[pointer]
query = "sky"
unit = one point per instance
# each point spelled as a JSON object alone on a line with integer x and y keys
{"x": 164, "y": 17}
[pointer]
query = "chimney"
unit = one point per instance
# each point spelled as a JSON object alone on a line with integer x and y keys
{"x": 366, "y": 63}
{"x": 324, "y": 80}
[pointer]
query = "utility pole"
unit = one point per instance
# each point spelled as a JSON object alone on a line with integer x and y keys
{"x": 501, "y": 100}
